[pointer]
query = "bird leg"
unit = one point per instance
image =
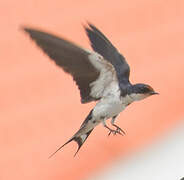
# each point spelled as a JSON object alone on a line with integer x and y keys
{"x": 118, "y": 129}
{"x": 114, "y": 132}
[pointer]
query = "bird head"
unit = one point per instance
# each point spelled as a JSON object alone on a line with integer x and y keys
{"x": 141, "y": 91}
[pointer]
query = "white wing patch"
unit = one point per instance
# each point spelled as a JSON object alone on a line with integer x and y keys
{"x": 107, "y": 75}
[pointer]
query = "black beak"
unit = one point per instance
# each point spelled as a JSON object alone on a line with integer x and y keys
{"x": 153, "y": 93}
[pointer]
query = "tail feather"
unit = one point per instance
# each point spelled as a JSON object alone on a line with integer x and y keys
{"x": 61, "y": 147}
{"x": 79, "y": 140}
{"x": 79, "y": 137}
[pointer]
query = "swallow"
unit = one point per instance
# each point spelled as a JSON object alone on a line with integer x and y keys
{"x": 102, "y": 75}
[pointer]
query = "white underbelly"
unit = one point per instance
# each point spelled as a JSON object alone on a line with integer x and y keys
{"x": 108, "y": 108}
{"x": 114, "y": 109}
{"x": 111, "y": 103}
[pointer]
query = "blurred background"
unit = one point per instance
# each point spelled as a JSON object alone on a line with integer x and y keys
{"x": 40, "y": 105}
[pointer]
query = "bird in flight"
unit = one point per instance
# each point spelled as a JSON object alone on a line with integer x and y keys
{"x": 101, "y": 75}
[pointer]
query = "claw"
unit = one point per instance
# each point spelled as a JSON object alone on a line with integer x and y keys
{"x": 119, "y": 130}
{"x": 114, "y": 132}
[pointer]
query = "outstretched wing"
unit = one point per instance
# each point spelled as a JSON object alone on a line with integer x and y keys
{"x": 103, "y": 46}
{"x": 83, "y": 65}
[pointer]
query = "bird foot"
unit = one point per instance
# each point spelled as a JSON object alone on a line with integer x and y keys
{"x": 119, "y": 129}
{"x": 114, "y": 132}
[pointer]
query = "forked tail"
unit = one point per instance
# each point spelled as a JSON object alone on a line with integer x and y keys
{"x": 80, "y": 136}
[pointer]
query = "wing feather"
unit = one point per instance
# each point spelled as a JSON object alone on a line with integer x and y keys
{"x": 91, "y": 72}
{"x": 70, "y": 57}
{"x": 103, "y": 46}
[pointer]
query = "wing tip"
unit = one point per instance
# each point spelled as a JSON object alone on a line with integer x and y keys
{"x": 88, "y": 26}
{"x": 25, "y": 29}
